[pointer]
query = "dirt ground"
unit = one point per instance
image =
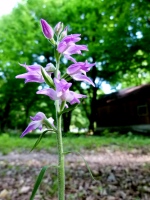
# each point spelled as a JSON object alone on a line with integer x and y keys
{"x": 120, "y": 175}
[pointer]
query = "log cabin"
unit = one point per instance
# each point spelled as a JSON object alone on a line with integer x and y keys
{"x": 129, "y": 107}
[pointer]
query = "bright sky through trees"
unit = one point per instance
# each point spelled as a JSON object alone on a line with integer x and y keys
{"x": 6, "y": 6}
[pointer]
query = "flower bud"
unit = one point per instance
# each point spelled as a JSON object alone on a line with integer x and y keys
{"x": 64, "y": 33}
{"x": 49, "y": 123}
{"x": 50, "y": 67}
{"x": 47, "y": 78}
{"x": 47, "y": 29}
{"x": 58, "y": 28}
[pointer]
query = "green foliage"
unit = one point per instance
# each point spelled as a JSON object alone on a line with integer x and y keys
{"x": 117, "y": 35}
{"x": 107, "y": 133}
{"x": 79, "y": 118}
{"x": 10, "y": 143}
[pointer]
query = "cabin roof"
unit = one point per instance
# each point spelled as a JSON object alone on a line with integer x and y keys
{"x": 140, "y": 92}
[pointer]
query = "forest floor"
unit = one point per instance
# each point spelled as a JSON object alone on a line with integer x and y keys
{"x": 119, "y": 174}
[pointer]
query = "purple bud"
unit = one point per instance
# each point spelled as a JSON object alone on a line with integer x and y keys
{"x": 47, "y": 29}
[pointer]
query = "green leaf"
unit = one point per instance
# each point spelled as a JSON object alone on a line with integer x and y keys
{"x": 39, "y": 139}
{"x": 84, "y": 162}
{"x": 65, "y": 76}
{"x": 39, "y": 179}
{"x": 72, "y": 107}
{"x": 47, "y": 78}
{"x": 38, "y": 182}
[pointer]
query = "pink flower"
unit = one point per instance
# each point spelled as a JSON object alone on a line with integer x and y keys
{"x": 62, "y": 92}
{"x": 78, "y": 71}
{"x": 68, "y": 47}
{"x": 47, "y": 29}
{"x": 37, "y": 122}
{"x": 33, "y": 73}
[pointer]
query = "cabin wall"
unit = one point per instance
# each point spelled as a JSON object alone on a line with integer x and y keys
{"x": 124, "y": 112}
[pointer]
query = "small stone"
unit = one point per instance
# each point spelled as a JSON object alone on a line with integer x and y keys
{"x": 95, "y": 172}
{"x": 24, "y": 189}
{"x": 112, "y": 188}
{"x": 121, "y": 194}
{"x": 2, "y": 163}
{"x": 146, "y": 189}
{"x": 4, "y": 194}
{"x": 90, "y": 198}
{"x": 103, "y": 192}
{"x": 111, "y": 198}
{"x": 111, "y": 178}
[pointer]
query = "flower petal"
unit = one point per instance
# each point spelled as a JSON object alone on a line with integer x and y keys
{"x": 72, "y": 97}
{"x": 31, "y": 67}
{"x": 31, "y": 77}
{"x": 73, "y": 69}
{"x": 49, "y": 92}
{"x": 32, "y": 126}
{"x": 61, "y": 86}
{"x": 68, "y": 57}
{"x": 76, "y": 97}
{"x": 76, "y": 49}
{"x": 77, "y": 67}
{"x": 38, "y": 116}
{"x": 80, "y": 77}
{"x": 71, "y": 38}
{"x": 33, "y": 74}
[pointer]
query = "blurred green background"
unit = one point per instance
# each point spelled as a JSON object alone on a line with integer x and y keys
{"x": 117, "y": 33}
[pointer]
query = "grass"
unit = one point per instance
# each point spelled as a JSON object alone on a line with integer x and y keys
{"x": 13, "y": 142}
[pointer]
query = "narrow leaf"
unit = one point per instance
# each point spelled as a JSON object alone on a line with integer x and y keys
{"x": 84, "y": 162}
{"x": 39, "y": 139}
{"x": 72, "y": 107}
{"x": 65, "y": 76}
{"x": 39, "y": 179}
{"x": 38, "y": 182}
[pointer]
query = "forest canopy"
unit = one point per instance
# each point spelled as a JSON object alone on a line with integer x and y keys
{"x": 116, "y": 32}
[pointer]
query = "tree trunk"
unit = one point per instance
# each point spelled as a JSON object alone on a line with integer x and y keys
{"x": 5, "y": 115}
{"x": 66, "y": 122}
{"x": 92, "y": 116}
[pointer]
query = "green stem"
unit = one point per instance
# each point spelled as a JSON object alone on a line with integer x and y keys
{"x": 57, "y": 56}
{"x": 61, "y": 166}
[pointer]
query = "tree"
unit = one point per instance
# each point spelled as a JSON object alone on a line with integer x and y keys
{"x": 116, "y": 32}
